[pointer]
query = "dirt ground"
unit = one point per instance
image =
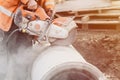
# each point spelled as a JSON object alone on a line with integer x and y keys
{"x": 101, "y": 48}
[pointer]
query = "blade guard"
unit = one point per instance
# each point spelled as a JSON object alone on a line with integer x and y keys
{"x": 61, "y": 27}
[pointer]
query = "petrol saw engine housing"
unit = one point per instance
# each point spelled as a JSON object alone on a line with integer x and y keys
{"x": 40, "y": 25}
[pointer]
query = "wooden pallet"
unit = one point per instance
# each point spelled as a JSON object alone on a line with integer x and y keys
{"x": 95, "y": 17}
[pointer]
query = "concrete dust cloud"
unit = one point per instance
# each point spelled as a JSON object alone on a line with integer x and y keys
{"x": 16, "y": 66}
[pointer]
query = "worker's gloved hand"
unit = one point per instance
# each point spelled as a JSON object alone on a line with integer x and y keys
{"x": 32, "y": 5}
{"x": 49, "y": 12}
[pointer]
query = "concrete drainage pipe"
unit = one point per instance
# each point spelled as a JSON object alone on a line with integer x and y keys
{"x": 64, "y": 63}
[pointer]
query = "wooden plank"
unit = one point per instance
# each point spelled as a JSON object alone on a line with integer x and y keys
{"x": 103, "y": 14}
{"x": 97, "y": 9}
{"x": 91, "y": 14}
{"x": 98, "y": 22}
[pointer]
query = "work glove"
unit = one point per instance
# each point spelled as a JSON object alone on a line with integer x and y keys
{"x": 49, "y": 12}
{"x": 32, "y": 5}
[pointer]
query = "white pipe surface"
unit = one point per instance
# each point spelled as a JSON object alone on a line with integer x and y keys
{"x": 53, "y": 57}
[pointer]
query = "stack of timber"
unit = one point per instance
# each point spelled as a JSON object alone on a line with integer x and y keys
{"x": 96, "y": 18}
